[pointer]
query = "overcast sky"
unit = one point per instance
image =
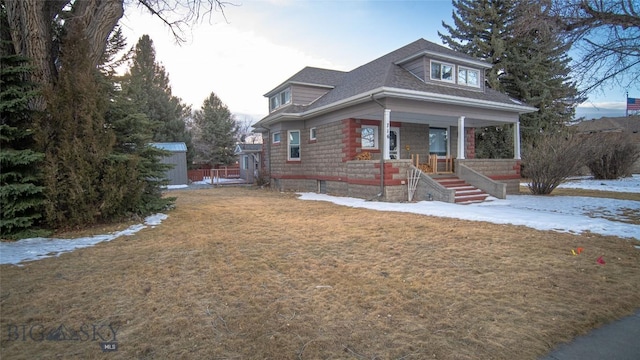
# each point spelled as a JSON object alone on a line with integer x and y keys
{"x": 263, "y": 42}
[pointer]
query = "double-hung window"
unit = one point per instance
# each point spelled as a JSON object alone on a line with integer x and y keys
{"x": 294, "y": 145}
{"x": 438, "y": 141}
{"x": 441, "y": 71}
{"x": 468, "y": 77}
{"x": 369, "y": 137}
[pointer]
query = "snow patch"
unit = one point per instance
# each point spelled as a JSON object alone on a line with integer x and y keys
{"x": 572, "y": 214}
{"x": 40, "y": 248}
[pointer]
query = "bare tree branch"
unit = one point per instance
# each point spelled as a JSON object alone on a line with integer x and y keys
{"x": 189, "y": 11}
{"x": 606, "y": 36}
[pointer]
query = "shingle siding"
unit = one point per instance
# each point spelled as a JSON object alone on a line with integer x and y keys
{"x": 305, "y": 95}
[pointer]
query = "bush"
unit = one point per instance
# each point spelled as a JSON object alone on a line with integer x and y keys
{"x": 611, "y": 155}
{"x": 263, "y": 178}
{"x": 552, "y": 160}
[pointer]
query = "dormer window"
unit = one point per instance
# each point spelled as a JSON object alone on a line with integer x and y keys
{"x": 442, "y": 72}
{"x": 280, "y": 99}
{"x": 468, "y": 77}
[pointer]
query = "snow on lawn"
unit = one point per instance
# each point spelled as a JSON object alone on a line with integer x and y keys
{"x": 628, "y": 185}
{"x": 207, "y": 181}
{"x": 40, "y": 248}
{"x": 573, "y": 214}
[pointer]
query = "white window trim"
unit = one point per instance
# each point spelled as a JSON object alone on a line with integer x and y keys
{"x": 273, "y": 138}
{"x": 466, "y": 83}
{"x": 313, "y": 134}
{"x": 278, "y": 97}
{"x": 376, "y": 146}
{"x": 454, "y": 73}
{"x": 289, "y": 158}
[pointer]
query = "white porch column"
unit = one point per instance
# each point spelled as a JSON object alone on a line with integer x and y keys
{"x": 516, "y": 141}
{"x": 461, "y": 138}
{"x": 386, "y": 125}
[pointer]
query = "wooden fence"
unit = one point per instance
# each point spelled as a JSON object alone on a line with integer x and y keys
{"x": 222, "y": 173}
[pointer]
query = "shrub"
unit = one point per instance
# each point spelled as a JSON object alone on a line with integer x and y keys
{"x": 611, "y": 155}
{"x": 552, "y": 160}
{"x": 263, "y": 178}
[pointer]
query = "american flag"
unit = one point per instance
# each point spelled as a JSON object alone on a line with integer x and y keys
{"x": 633, "y": 104}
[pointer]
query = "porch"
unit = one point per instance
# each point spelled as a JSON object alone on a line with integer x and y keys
{"x": 468, "y": 180}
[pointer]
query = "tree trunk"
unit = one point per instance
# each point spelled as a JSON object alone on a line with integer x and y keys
{"x": 96, "y": 19}
{"x": 31, "y": 23}
{"x": 30, "y": 28}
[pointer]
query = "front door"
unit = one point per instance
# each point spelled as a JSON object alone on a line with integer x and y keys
{"x": 394, "y": 143}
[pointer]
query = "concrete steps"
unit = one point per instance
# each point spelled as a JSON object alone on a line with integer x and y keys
{"x": 464, "y": 193}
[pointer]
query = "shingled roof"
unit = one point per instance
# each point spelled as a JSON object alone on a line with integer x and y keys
{"x": 311, "y": 76}
{"x": 386, "y": 72}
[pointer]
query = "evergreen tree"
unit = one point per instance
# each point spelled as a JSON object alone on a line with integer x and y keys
{"x": 538, "y": 74}
{"x": 529, "y": 64}
{"x": 147, "y": 84}
{"x": 136, "y": 166}
{"x": 481, "y": 29}
{"x": 215, "y": 132}
{"x": 20, "y": 189}
{"x": 134, "y": 175}
{"x": 74, "y": 139}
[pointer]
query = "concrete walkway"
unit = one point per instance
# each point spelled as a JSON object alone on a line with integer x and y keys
{"x": 616, "y": 341}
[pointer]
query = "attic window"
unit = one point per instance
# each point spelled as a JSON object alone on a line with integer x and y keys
{"x": 442, "y": 71}
{"x": 468, "y": 77}
{"x": 280, "y": 99}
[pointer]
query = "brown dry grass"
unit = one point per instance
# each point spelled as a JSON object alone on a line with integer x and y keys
{"x": 237, "y": 273}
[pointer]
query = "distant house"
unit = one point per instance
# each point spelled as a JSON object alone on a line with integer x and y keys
{"x": 178, "y": 158}
{"x": 629, "y": 124}
{"x": 249, "y": 161}
{"x": 355, "y": 133}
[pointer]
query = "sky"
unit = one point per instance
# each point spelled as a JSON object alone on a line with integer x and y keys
{"x": 258, "y": 44}
{"x": 572, "y": 214}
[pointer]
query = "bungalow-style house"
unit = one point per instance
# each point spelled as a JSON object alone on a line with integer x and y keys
{"x": 360, "y": 133}
{"x": 249, "y": 161}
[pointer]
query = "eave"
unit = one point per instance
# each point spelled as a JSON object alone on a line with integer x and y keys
{"x": 387, "y": 92}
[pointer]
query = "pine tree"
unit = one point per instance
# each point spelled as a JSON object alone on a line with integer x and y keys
{"x": 20, "y": 189}
{"x": 134, "y": 176}
{"x": 147, "y": 84}
{"x": 215, "y": 132}
{"x": 136, "y": 166}
{"x": 529, "y": 64}
{"x": 481, "y": 29}
{"x": 538, "y": 74}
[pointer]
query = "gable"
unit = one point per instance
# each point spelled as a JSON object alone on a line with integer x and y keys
{"x": 303, "y": 88}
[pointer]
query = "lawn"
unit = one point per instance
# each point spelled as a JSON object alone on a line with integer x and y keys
{"x": 240, "y": 273}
